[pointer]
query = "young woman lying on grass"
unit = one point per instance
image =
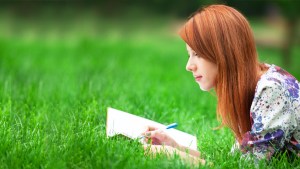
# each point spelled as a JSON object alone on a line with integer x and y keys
{"x": 259, "y": 102}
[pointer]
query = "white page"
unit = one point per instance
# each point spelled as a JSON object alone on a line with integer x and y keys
{"x": 119, "y": 122}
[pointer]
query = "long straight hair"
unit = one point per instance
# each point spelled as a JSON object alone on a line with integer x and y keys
{"x": 222, "y": 35}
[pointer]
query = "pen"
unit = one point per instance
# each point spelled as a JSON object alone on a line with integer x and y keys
{"x": 170, "y": 126}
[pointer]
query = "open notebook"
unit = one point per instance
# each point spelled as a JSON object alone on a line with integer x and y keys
{"x": 129, "y": 125}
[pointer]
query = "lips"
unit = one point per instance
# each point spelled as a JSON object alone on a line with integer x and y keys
{"x": 197, "y": 78}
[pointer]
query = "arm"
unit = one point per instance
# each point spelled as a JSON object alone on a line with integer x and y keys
{"x": 159, "y": 137}
{"x": 170, "y": 151}
{"x": 161, "y": 142}
{"x": 273, "y": 122}
{"x": 192, "y": 152}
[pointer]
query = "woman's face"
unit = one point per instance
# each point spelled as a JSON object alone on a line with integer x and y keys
{"x": 204, "y": 72}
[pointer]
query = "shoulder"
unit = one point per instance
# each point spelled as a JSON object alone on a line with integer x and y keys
{"x": 276, "y": 81}
{"x": 276, "y": 89}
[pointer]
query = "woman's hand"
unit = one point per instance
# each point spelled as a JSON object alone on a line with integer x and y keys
{"x": 161, "y": 142}
{"x": 159, "y": 137}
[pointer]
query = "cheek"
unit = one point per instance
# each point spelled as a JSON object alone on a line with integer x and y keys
{"x": 213, "y": 79}
{"x": 209, "y": 81}
{"x": 210, "y": 84}
{"x": 211, "y": 73}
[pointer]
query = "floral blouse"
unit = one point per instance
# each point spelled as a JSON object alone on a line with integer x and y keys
{"x": 275, "y": 116}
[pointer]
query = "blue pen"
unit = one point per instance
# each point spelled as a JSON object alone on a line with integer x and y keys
{"x": 170, "y": 126}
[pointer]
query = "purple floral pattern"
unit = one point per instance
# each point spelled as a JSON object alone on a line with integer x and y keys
{"x": 275, "y": 116}
{"x": 294, "y": 87}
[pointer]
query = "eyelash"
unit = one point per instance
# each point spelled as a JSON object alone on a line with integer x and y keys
{"x": 193, "y": 55}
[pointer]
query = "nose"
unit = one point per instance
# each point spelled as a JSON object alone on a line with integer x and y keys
{"x": 190, "y": 66}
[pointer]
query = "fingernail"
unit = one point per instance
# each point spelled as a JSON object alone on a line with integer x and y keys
{"x": 148, "y": 134}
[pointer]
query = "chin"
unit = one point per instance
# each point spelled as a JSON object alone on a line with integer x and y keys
{"x": 204, "y": 88}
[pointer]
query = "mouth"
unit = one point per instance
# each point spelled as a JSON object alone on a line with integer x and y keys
{"x": 198, "y": 78}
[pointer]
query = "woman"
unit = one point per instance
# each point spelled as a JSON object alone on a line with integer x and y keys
{"x": 260, "y": 103}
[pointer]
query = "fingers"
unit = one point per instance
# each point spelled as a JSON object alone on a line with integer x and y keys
{"x": 151, "y": 128}
{"x": 147, "y": 129}
{"x": 152, "y": 137}
{"x": 157, "y": 137}
{"x": 154, "y": 134}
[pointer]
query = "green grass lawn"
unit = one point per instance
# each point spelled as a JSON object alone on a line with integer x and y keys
{"x": 55, "y": 92}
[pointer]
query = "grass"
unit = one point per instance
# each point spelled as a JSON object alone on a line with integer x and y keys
{"x": 55, "y": 91}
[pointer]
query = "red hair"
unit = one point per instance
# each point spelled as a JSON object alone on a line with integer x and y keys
{"x": 222, "y": 35}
